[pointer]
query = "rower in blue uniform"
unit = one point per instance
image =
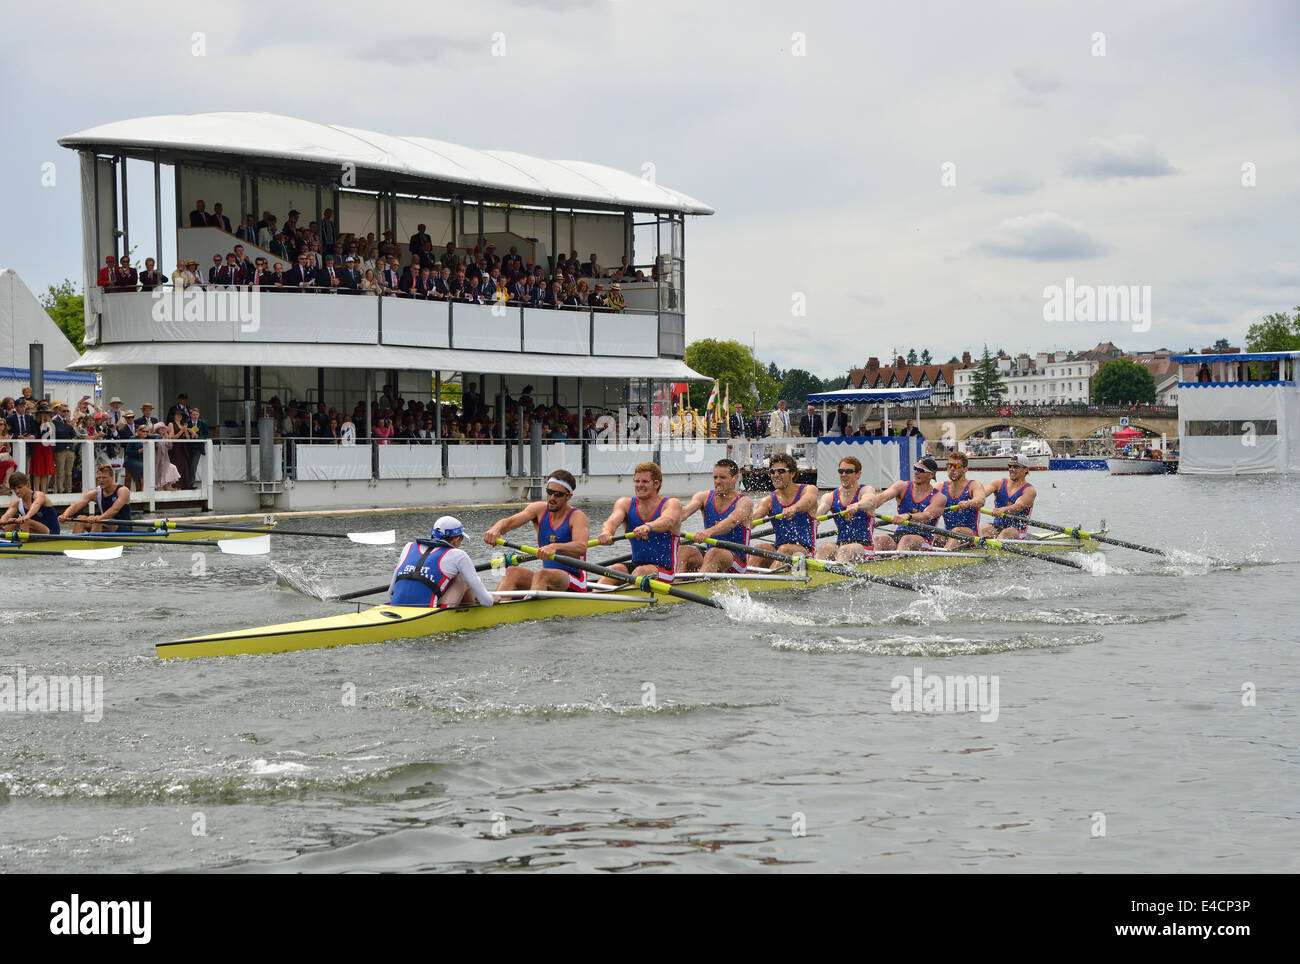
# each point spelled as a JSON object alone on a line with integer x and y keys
{"x": 561, "y": 529}
{"x": 436, "y": 572}
{"x": 791, "y": 508}
{"x": 965, "y": 497}
{"x": 854, "y": 523}
{"x": 1012, "y": 496}
{"x": 112, "y": 504}
{"x": 30, "y": 511}
{"x": 653, "y": 526}
{"x": 917, "y": 500}
{"x": 726, "y": 516}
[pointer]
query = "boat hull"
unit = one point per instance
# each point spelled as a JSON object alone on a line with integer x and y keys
{"x": 992, "y": 463}
{"x": 107, "y": 542}
{"x": 1137, "y": 466}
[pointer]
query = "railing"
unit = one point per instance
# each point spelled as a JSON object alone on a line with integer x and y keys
{"x": 1010, "y": 410}
{"x": 239, "y": 314}
{"x": 135, "y": 463}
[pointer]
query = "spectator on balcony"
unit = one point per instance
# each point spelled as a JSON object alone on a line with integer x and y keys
{"x": 243, "y": 260}
{"x": 277, "y": 278}
{"x": 419, "y": 239}
{"x": 126, "y": 275}
{"x": 448, "y": 258}
{"x": 470, "y": 293}
{"x": 267, "y": 232}
{"x": 181, "y": 277}
{"x": 487, "y": 288}
{"x": 622, "y": 269}
{"x": 107, "y": 278}
{"x": 199, "y": 217}
{"x": 441, "y": 290}
{"x": 220, "y": 220}
{"x": 388, "y": 277}
{"x": 590, "y": 269}
{"x": 501, "y": 295}
{"x": 314, "y": 256}
{"x": 301, "y": 277}
{"x": 259, "y": 278}
{"x": 248, "y": 230}
{"x": 230, "y": 275}
{"x": 615, "y": 301}
{"x": 278, "y": 246}
{"x": 291, "y": 223}
{"x": 329, "y": 229}
{"x": 214, "y": 272}
{"x": 151, "y": 277}
{"x": 410, "y": 282}
{"x": 352, "y": 278}
{"x": 369, "y": 284}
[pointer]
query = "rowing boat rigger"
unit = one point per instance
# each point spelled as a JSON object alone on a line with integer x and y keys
{"x": 379, "y": 624}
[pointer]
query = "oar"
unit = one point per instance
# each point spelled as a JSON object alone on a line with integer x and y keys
{"x": 644, "y": 583}
{"x": 1079, "y": 533}
{"x": 385, "y": 538}
{"x": 1000, "y": 544}
{"x": 836, "y": 568}
{"x": 110, "y": 552}
{"x": 232, "y": 547}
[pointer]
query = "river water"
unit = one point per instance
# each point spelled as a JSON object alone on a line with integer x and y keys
{"x": 1145, "y": 717}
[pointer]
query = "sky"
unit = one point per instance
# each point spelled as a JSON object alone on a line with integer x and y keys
{"x": 884, "y": 176}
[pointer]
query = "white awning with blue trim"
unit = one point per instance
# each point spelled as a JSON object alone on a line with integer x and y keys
{"x": 870, "y": 396}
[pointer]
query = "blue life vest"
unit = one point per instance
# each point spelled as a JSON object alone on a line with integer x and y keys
{"x": 420, "y": 580}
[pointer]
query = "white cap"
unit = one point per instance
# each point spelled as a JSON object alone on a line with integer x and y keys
{"x": 447, "y": 527}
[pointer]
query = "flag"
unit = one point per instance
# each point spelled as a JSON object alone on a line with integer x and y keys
{"x": 680, "y": 388}
{"x": 726, "y": 402}
{"x": 713, "y": 398}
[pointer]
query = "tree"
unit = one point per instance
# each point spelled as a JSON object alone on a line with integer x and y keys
{"x": 987, "y": 386}
{"x": 835, "y": 383}
{"x": 798, "y": 385}
{"x": 1121, "y": 381}
{"x": 911, "y": 356}
{"x": 1276, "y": 332}
{"x": 1222, "y": 345}
{"x": 732, "y": 364}
{"x": 926, "y": 357}
{"x": 776, "y": 373}
{"x": 67, "y": 309}
{"x": 954, "y": 360}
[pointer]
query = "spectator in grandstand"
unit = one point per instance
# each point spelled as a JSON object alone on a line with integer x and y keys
{"x": 126, "y": 275}
{"x": 368, "y": 284}
{"x": 328, "y": 229}
{"x": 219, "y": 220}
{"x": 151, "y": 277}
{"x": 214, "y": 272}
{"x": 419, "y": 239}
{"x": 231, "y": 274}
{"x": 267, "y": 232}
{"x": 199, "y": 217}
{"x": 248, "y": 230}
{"x": 623, "y": 269}
{"x": 591, "y": 269}
{"x": 301, "y": 277}
{"x": 107, "y": 278}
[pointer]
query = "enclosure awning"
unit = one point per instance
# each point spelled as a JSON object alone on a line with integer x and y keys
{"x": 872, "y": 395}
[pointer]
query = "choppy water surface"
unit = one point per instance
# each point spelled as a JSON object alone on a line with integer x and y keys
{"x": 770, "y": 741}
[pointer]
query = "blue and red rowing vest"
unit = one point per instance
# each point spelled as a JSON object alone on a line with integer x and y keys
{"x": 1002, "y": 499}
{"x": 799, "y": 531}
{"x": 952, "y": 518}
{"x": 739, "y": 533}
{"x": 908, "y": 504}
{"x": 659, "y": 550}
{"x": 859, "y": 528}
{"x": 548, "y": 534}
{"x": 420, "y": 580}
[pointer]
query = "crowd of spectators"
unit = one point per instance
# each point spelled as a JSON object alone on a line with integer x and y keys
{"x": 54, "y": 429}
{"x": 318, "y": 257}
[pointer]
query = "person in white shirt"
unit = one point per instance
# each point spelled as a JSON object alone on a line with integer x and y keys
{"x": 347, "y": 432}
{"x": 436, "y": 572}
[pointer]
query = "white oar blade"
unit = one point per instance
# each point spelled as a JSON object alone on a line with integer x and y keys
{"x": 112, "y": 552}
{"x": 374, "y": 538}
{"x": 256, "y": 546}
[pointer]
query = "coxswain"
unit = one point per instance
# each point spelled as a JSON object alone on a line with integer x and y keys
{"x": 436, "y": 572}
{"x": 112, "y": 504}
{"x": 1013, "y": 496}
{"x": 851, "y": 511}
{"x": 29, "y": 511}
{"x": 726, "y": 516}
{"x": 792, "y": 510}
{"x": 653, "y": 526}
{"x": 965, "y": 497}
{"x": 919, "y": 501}
{"x": 561, "y": 528}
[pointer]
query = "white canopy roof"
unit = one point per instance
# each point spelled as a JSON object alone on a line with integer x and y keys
{"x": 289, "y": 140}
{"x": 384, "y": 357}
{"x": 871, "y": 395}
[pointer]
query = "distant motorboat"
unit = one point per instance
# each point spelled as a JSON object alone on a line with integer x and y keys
{"x": 992, "y": 454}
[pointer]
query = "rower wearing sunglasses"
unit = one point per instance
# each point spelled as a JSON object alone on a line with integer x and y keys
{"x": 856, "y": 527}
{"x": 918, "y": 501}
{"x": 792, "y": 510}
{"x": 1012, "y": 496}
{"x": 561, "y": 528}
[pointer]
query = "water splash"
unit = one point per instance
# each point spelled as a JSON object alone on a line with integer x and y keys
{"x": 743, "y": 608}
{"x": 295, "y": 577}
{"x": 936, "y": 645}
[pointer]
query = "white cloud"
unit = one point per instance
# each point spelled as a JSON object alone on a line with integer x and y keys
{"x": 1128, "y": 155}
{"x": 1046, "y": 236}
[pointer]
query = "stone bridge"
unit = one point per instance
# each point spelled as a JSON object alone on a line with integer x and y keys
{"x": 1074, "y": 422}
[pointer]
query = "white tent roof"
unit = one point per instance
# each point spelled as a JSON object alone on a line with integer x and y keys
{"x": 872, "y": 395}
{"x": 274, "y": 137}
{"x": 23, "y": 321}
{"x": 384, "y": 357}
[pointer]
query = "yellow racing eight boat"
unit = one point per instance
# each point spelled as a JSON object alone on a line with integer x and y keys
{"x": 378, "y": 624}
{"x": 107, "y": 540}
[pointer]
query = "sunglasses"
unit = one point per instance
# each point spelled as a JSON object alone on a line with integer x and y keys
{"x": 556, "y": 493}
{"x": 847, "y": 471}
{"x": 778, "y": 471}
